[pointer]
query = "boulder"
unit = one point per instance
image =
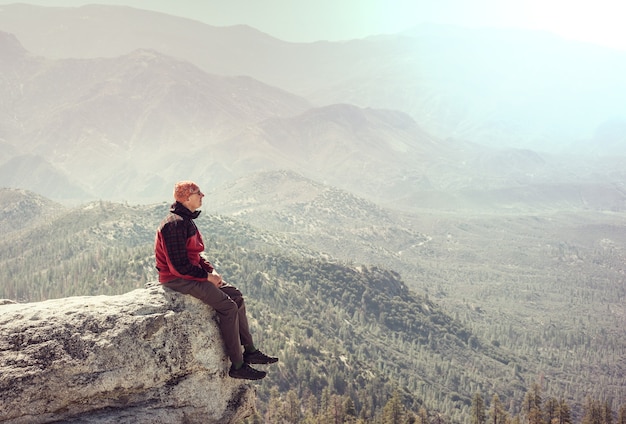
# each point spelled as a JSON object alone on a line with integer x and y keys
{"x": 148, "y": 356}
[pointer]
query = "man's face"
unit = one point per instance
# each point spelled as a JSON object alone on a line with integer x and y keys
{"x": 195, "y": 201}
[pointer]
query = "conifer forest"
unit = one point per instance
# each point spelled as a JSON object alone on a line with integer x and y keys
{"x": 359, "y": 342}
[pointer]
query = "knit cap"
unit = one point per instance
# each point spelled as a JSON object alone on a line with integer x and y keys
{"x": 184, "y": 189}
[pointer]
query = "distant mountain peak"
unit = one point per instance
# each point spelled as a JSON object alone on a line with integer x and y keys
{"x": 10, "y": 47}
{"x": 357, "y": 115}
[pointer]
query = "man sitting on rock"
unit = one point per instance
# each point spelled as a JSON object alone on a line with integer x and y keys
{"x": 177, "y": 249}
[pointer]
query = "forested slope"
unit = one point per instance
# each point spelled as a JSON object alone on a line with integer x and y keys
{"x": 349, "y": 331}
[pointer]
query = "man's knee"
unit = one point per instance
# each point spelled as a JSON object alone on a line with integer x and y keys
{"x": 233, "y": 293}
{"x": 227, "y": 308}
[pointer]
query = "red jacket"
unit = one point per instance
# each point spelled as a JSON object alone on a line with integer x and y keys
{"x": 177, "y": 247}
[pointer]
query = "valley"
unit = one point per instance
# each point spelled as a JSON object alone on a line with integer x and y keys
{"x": 538, "y": 279}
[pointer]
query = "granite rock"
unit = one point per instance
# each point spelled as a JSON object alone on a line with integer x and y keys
{"x": 148, "y": 356}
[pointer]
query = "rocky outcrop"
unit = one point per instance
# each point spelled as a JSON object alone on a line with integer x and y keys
{"x": 148, "y": 356}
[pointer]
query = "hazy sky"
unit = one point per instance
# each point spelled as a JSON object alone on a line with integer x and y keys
{"x": 596, "y": 21}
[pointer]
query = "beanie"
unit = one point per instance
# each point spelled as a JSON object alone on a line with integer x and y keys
{"x": 184, "y": 189}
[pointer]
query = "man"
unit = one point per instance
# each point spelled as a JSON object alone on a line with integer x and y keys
{"x": 177, "y": 249}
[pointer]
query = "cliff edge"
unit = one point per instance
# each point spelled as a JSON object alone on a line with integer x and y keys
{"x": 149, "y": 356}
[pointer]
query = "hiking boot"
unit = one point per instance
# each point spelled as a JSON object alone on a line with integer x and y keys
{"x": 246, "y": 372}
{"x": 258, "y": 357}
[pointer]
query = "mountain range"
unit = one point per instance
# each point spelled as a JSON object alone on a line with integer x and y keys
{"x": 508, "y": 88}
{"x": 436, "y": 117}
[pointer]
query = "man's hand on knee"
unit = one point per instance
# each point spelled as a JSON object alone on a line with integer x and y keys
{"x": 215, "y": 279}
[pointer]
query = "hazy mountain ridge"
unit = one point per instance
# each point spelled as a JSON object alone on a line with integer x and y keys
{"x": 500, "y": 87}
{"x": 93, "y": 120}
{"x": 35, "y": 172}
{"x": 368, "y": 151}
{"x": 22, "y": 209}
{"x": 495, "y": 87}
{"x": 11, "y": 48}
{"x": 320, "y": 216}
{"x": 91, "y": 132}
{"x": 145, "y": 78}
{"x": 355, "y": 134}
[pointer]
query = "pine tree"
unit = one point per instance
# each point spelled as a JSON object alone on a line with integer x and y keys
{"x": 326, "y": 413}
{"x": 393, "y": 411}
{"x": 607, "y": 413}
{"x": 478, "y": 410}
{"x": 422, "y": 416}
{"x": 336, "y": 410}
{"x": 532, "y": 405}
{"x": 273, "y": 412}
{"x": 291, "y": 408}
{"x": 349, "y": 409}
{"x": 551, "y": 410}
{"x": 621, "y": 416}
{"x": 310, "y": 409}
{"x": 593, "y": 412}
{"x": 564, "y": 415}
{"x": 497, "y": 414}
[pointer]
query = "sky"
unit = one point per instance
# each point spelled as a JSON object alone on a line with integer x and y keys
{"x": 593, "y": 21}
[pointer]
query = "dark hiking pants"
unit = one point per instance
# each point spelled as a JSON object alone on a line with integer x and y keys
{"x": 230, "y": 307}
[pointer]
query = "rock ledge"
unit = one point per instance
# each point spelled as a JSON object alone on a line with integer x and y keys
{"x": 149, "y": 356}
